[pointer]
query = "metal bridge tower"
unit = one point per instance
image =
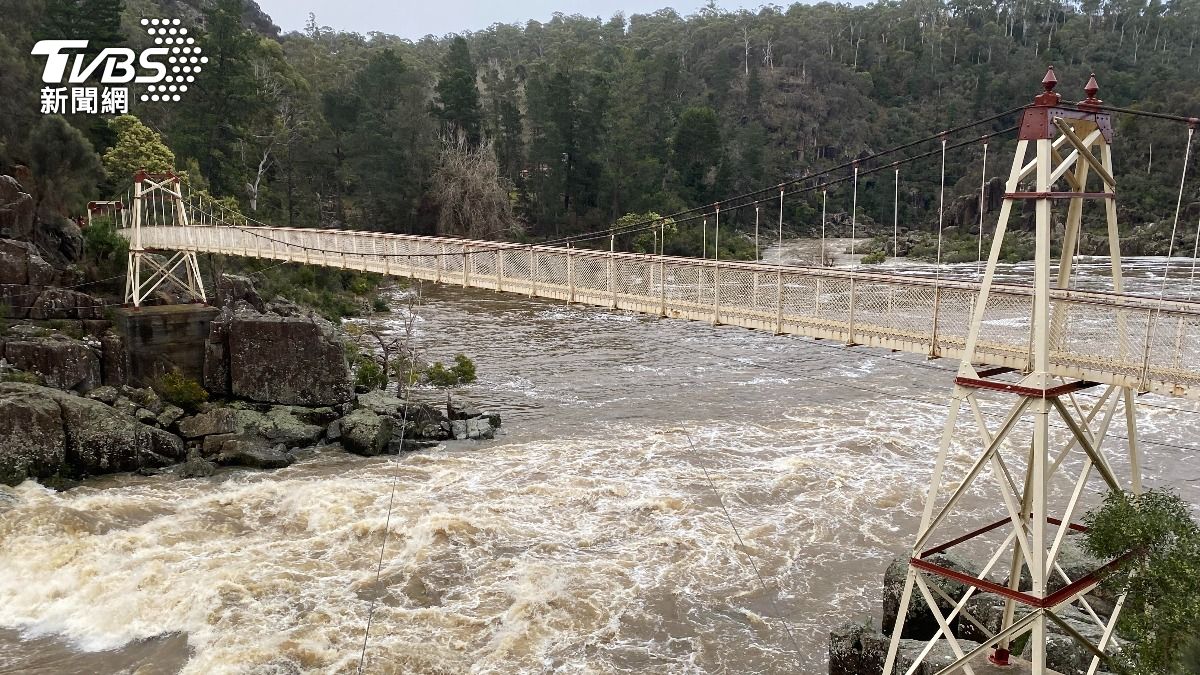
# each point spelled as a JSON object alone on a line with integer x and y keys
{"x": 158, "y": 202}
{"x": 1071, "y": 144}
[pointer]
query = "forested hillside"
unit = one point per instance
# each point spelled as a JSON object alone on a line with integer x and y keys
{"x": 548, "y": 129}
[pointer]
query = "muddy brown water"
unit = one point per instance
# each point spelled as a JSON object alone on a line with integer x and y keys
{"x": 587, "y": 538}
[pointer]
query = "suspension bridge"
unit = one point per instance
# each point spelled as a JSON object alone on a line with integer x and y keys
{"x": 1036, "y": 345}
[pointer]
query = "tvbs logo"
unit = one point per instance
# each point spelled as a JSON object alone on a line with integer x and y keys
{"x": 165, "y": 69}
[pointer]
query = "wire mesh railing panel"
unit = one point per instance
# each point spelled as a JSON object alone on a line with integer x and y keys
{"x": 1006, "y": 325}
{"x": 591, "y": 273}
{"x": 516, "y": 266}
{"x": 633, "y": 278}
{"x": 550, "y": 269}
{"x": 955, "y": 308}
{"x": 683, "y": 283}
{"x": 1119, "y": 339}
{"x": 737, "y": 292}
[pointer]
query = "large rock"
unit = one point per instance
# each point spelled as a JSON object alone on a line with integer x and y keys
{"x": 857, "y": 649}
{"x": 291, "y": 361}
{"x": 252, "y": 452}
{"x": 20, "y": 263}
{"x": 16, "y": 210}
{"x": 365, "y": 432}
{"x": 62, "y": 303}
{"x": 919, "y": 623}
{"x": 60, "y": 361}
{"x": 209, "y": 423}
{"x": 234, "y": 288}
{"x": 46, "y": 432}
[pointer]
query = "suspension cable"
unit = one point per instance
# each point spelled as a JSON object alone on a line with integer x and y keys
{"x": 362, "y": 659}
{"x": 941, "y": 210}
{"x": 896, "y": 217}
{"x": 982, "y": 198}
{"x": 742, "y": 545}
{"x": 854, "y": 210}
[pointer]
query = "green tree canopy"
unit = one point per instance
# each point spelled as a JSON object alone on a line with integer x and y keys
{"x": 458, "y": 93}
{"x": 1161, "y": 580}
{"x": 137, "y": 147}
{"x": 65, "y": 167}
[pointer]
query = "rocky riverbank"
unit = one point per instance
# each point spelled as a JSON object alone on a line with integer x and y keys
{"x": 88, "y": 389}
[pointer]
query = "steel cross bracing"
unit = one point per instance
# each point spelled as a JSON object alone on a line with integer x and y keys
{"x": 1156, "y": 351}
{"x": 1033, "y": 587}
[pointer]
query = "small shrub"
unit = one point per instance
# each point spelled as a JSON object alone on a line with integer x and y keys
{"x": 874, "y": 258}
{"x": 462, "y": 372}
{"x": 370, "y": 375}
{"x": 21, "y": 376}
{"x": 380, "y": 304}
{"x": 179, "y": 390}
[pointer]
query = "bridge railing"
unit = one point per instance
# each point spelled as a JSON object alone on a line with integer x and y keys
{"x": 1105, "y": 337}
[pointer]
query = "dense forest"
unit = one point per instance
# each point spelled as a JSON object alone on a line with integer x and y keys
{"x": 548, "y": 129}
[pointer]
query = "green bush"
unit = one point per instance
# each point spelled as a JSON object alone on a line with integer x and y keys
{"x": 104, "y": 250}
{"x": 370, "y": 375}
{"x": 462, "y": 372}
{"x": 21, "y": 376}
{"x": 874, "y": 258}
{"x": 177, "y": 389}
{"x": 1161, "y": 578}
{"x": 380, "y": 304}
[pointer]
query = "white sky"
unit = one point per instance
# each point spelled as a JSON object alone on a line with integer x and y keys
{"x": 415, "y": 19}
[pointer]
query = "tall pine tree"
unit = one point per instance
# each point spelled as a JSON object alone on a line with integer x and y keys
{"x": 458, "y": 93}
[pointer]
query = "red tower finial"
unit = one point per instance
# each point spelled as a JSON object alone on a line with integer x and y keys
{"x": 1091, "y": 88}
{"x": 1049, "y": 82}
{"x": 1048, "y": 97}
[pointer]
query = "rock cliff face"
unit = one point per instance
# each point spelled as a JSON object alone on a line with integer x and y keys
{"x": 27, "y": 285}
{"x": 276, "y": 359}
{"x": 46, "y": 433}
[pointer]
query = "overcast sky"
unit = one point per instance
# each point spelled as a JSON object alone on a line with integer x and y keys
{"x": 416, "y": 19}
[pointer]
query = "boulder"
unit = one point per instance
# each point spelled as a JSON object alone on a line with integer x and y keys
{"x": 61, "y": 362}
{"x": 169, "y": 416}
{"x": 365, "y": 432}
{"x": 919, "y": 623}
{"x": 144, "y": 397}
{"x": 292, "y": 361}
{"x": 46, "y": 432}
{"x": 857, "y": 649}
{"x": 22, "y": 264}
{"x": 234, "y": 288}
{"x": 212, "y": 422}
{"x": 252, "y": 452}
{"x": 333, "y": 432}
{"x": 477, "y": 429}
{"x": 16, "y": 210}
{"x": 279, "y": 425}
{"x": 106, "y": 394}
{"x": 195, "y": 467}
{"x": 32, "y": 437}
{"x": 62, "y": 303}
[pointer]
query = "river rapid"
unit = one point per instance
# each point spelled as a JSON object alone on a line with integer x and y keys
{"x": 593, "y": 536}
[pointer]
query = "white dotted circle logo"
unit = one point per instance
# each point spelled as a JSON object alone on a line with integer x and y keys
{"x": 184, "y": 56}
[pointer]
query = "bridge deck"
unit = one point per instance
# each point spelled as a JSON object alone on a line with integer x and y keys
{"x": 1103, "y": 337}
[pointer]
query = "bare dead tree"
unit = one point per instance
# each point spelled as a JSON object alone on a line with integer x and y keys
{"x": 390, "y": 343}
{"x": 473, "y": 197}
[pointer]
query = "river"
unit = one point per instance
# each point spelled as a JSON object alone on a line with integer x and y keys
{"x": 593, "y": 536}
